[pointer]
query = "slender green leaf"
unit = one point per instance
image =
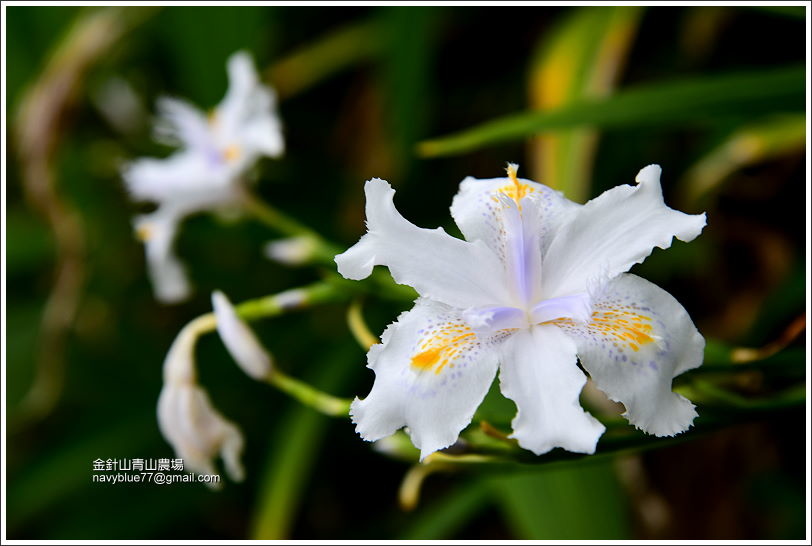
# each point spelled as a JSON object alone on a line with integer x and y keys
{"x": 673, "y": 103}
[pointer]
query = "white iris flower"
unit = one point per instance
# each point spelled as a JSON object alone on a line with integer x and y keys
{"x": 206, "y": 173}
{"x": 539, "y": 283}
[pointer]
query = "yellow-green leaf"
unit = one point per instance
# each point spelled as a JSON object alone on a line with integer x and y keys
{"x": 581, "y": 59}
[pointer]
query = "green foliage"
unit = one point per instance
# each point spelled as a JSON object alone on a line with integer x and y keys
{"x": 700, "y": 100}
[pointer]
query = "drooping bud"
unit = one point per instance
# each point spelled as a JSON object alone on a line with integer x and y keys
{"x": 291, "y": 251}
{"x": 240, "y": 340}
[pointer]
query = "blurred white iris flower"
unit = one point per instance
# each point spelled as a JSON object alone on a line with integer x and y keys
{"x": 206, "y": 173}
{"x": 539, "y": 283}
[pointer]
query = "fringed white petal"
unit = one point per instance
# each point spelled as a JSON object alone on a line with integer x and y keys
{"x": 611, "y": 233}
{"x": 539, "y": 373}
{"x": 438, "y": 266}
{"x": 639, "y": 339}
{"x": 431, "y": 373}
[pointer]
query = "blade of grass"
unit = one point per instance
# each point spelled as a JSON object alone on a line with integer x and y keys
{"x": 671, "y": 103}
{"x": 581, "y": 59}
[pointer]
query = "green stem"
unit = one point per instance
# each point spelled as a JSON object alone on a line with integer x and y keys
{"x": 314, "y": 294}
{"x": 277, "y": 304}
{"x": 323, "y": 251}
{"x": 310, "y": 396}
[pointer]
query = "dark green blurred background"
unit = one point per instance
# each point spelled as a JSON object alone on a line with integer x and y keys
{"x": 353, "y": 110}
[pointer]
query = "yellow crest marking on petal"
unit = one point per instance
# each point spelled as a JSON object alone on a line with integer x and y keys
{"x": 231, "y": 153}
{"x": 627, "y": 326}
{"x": 144, "y": 232}
{"x": 441, "y": 346}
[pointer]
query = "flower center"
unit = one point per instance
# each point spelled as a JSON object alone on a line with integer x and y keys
{"x": 522, "y": 254}
{"x": 491, "y": 319}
